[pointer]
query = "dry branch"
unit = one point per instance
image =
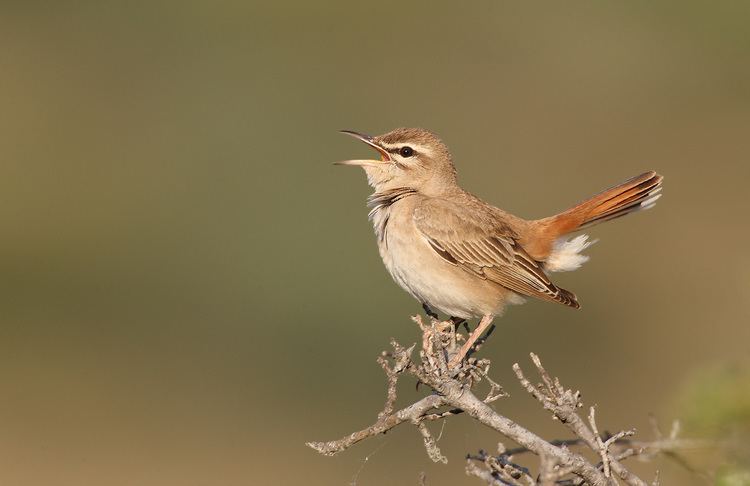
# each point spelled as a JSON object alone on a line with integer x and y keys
{"x": 453, "y": 392}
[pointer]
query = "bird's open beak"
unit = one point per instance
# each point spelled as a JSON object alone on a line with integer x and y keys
{"x": 384, "y": 155}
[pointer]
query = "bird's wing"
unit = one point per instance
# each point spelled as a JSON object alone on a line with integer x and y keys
{"x": 471, "y": 237}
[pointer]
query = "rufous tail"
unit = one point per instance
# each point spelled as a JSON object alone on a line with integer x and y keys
{"x": 640, "y": 192}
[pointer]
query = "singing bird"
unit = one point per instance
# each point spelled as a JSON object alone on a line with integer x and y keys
{"x": 457, "y": 254}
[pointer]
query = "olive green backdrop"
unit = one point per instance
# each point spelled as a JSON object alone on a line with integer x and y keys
{"x": 189, "y": 290}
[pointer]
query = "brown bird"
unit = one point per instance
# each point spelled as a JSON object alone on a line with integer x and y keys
{"x": 457, "y": 254}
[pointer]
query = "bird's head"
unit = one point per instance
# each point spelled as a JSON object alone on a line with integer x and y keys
{"x": 409, "y": 157}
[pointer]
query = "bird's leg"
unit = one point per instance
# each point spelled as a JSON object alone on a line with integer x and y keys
{"x": 481, "y": 340}
{"x": 457, "y": 321}
{"x": 429, "y": 311}
{"x": 484, "y": 323}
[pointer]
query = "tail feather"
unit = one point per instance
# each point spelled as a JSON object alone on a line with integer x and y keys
{"x": 624, "y": 199}
{"x": 638, "y": 193}
{"x": 632, "y": 195}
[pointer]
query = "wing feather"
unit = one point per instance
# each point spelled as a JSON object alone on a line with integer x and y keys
{"x": 472, "y": 237}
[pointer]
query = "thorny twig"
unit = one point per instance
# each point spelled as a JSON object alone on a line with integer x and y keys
{"x": 453, "y": 392}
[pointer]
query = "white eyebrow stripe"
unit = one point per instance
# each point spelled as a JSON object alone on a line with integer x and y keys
{"x": 419, "y": 149}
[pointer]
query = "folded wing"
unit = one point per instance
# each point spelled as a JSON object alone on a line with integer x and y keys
{"x": 472, "y": 238}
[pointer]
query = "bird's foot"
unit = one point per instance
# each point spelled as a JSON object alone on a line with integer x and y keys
{"x": 438, "y": 338}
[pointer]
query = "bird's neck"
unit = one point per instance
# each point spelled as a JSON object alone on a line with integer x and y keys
{"x": 380, "y": 203}
{"x": 440, "y": 185}
{"x": 379, "y": 200}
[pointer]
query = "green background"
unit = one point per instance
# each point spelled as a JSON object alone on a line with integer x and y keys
{"x": 190, "y": 290}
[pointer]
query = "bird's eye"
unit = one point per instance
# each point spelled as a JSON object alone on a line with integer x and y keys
{"x": 406, "y": 151}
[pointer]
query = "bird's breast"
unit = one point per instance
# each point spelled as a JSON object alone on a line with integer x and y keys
{"x": 415, "y": 266}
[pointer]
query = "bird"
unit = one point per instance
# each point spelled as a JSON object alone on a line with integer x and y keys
{"x": 459, "y": 255}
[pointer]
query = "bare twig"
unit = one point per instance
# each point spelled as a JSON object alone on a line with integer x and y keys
{"x": 453, "y": 393}
{"x": 563, "y": 403}
{"x": 429, "y": 443}
{"x": 472, "y": 469}
{"x": 604, "y": 445}
{"x": 407, "y": 414}
{"x": 501, "y": 469}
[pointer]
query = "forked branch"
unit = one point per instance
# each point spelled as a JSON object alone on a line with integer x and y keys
{"x": 453, "y": 391}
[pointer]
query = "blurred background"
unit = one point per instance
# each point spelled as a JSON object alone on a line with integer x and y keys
{"x": 190, "y": 291}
